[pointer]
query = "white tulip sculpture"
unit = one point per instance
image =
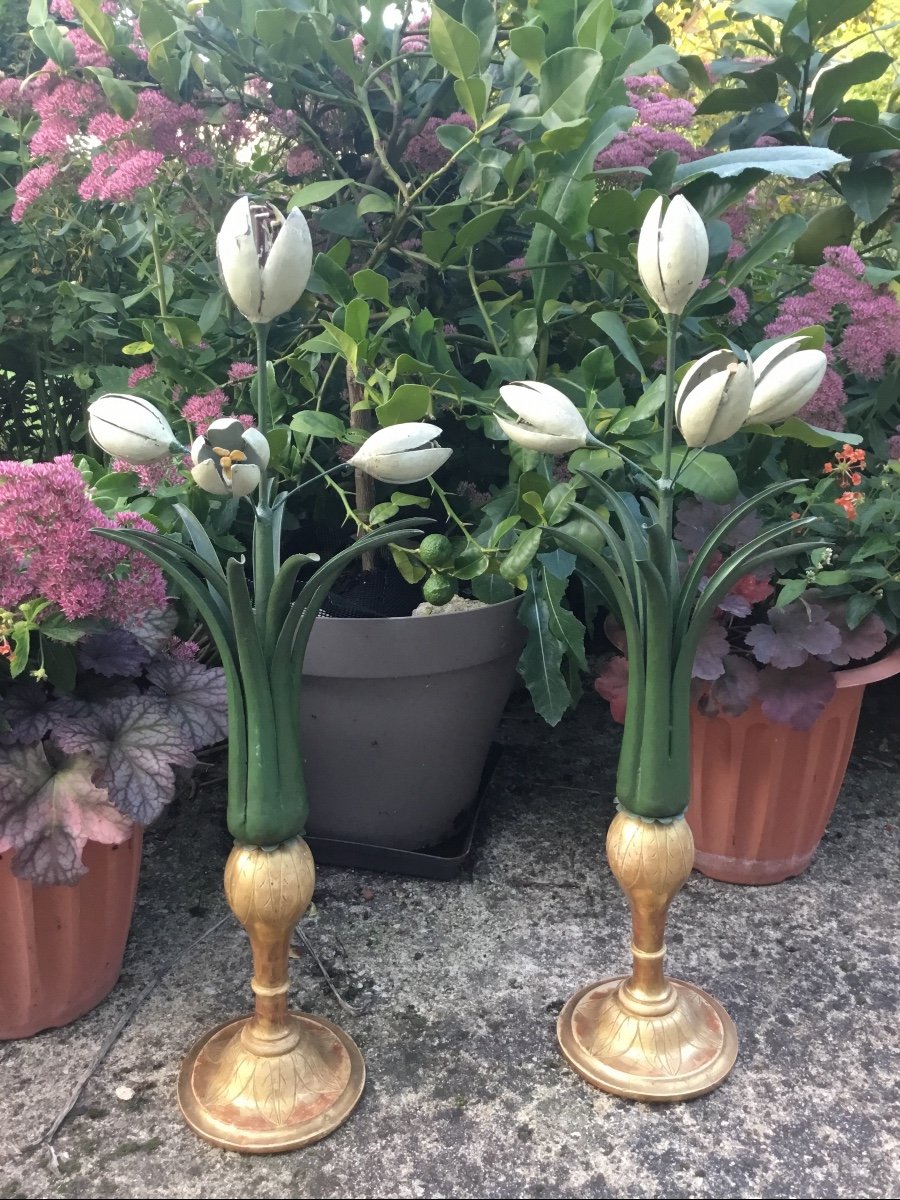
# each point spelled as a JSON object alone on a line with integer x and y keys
{"x": 646, "y": 1036}
{"x": 131, "y": 428}
{"x": 275, "y": 1080}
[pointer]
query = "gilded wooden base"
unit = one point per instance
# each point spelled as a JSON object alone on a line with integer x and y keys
{"x": 261, "y": 1104}
{"x": 275, "y": 1080}
{"x": 675, "y": 1056}
{"x": 645, "y": 1036}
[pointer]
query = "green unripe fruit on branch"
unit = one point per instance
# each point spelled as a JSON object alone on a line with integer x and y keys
{"x": 435, "y": 550}
{"x": 438, "y": 589}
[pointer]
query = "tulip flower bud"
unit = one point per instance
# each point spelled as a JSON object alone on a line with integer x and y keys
{"x": 548, "y": 420}
{"x": 229, "y": 460}
{"x": 265, "y": 260}
{"x": 713, "y": 398}
{"x": 403, "y": 453}
{"x": 130, "y": 428}
{"x": 785, "y": 378}
{"x": 672, "y": 253}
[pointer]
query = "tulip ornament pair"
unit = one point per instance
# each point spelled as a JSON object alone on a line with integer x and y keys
{"x": 646, "y": 1036}
{"x": 275, "y": 1080}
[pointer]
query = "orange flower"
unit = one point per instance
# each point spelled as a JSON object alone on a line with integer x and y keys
{"x": 856, "y": 478}
{"x": 828, "y": 468}
{"x": 795, "y": 516}
{"x": 849, "y": 502}
{"x": 5, "y": 648}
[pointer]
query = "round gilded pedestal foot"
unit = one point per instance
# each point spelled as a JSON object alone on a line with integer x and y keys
{"x": 264, "y": 1104}
{"x": 677, "y": 1055}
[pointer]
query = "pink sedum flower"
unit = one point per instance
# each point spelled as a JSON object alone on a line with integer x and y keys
{"x": 139, "y": 374}
{"x": 82, "y": 574}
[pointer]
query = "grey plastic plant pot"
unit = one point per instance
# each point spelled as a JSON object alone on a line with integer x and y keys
{"x": 398, "y": 714}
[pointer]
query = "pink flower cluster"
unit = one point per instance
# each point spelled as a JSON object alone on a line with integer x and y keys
{"x": 741, "y": 310}
{"x": 659, "y": 115}
{"x": 201, "y": 411}
{"x": 424, "y": 152}
{"x": 139, "y": 374}
{"x": 415, "y": 39}
{"x": 303, "y": 161}
{"x": 864, "y": 322}
{"x": 82, "y": 574}
{"x": 239, "y": 371}
{"x": 74, "y": 120}
{"x": 152, "y": 475}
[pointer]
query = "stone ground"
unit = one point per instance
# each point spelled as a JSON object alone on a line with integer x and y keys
{"x": 456, "y": 988}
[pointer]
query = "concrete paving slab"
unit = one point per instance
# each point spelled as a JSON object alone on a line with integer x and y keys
{"x": 457, "y": 986}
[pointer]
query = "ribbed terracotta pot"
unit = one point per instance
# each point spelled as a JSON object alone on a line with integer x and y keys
{"x": 763, "y": 793}
{"x": 61, "y": 948}
{"x": 398, "y": 714}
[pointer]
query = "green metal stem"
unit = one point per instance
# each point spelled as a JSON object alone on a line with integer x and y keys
{"x": 263, "y": 411}
{"x": 666, "y": 484}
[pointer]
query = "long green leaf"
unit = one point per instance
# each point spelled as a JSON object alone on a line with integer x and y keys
{"x": 712, "y": 594}
{"x": 662, "y": 790}
{"x": 662, "y": 548}
{"x": 629, "y": 755}
{"x": 329, "y": 571}
{"x": 280, "y": 597}
{"x": 200, "y": 539}
{"x": 290, "y": 645}
{"x": 712, "y": 543}
{"x": 625, "y": 564}
{"x": 268, "y": 821}
{"x": 215, "y": 581}
{"x": 222, "y": 632}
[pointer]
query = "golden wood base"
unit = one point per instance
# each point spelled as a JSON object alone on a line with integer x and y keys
{"x": 648, "y": 1037}
{"x": 261, "y": 1104}
{"x": 275, "y": 1080}
{"x": 674, "y": 1056}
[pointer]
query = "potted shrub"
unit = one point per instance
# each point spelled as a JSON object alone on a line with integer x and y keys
{"x": 99, "y": 702}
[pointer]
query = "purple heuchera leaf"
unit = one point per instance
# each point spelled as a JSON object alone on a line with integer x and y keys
{"x": 696, "y": 519}
{"x": 733, "y": 691}
{"x": 135, "y": 744}
{"x": 114, "y": 652}
{"x": 154, "y": 628}
{"x": 197, "y": 697}
{"x": 711, "y": 651}
{"x": 735, "y": 605}
{"x": 796, "y": 697}
{"x": 28, "y": 711}
{"x": 49, "y": 808}
{"x": 865, "y": 641}
{"x": 792, "y": 634}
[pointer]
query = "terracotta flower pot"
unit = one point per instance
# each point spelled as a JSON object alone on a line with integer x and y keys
{"x": 398, "y": 715}
{"x": 764, "y": 793}
{"x": 61, "y": 948}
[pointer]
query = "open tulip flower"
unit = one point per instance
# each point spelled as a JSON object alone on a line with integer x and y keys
{"x": 548, "y": 420}
{"x": 402, "y": 453}
{"x": 265, "y": 259}
{"x": 229, "y": 460}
